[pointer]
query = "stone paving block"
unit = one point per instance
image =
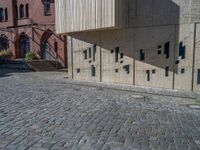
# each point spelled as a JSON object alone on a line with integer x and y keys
{"x": 44, "y": 112}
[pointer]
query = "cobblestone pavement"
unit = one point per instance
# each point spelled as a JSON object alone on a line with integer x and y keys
{"x": 41, "y": 111}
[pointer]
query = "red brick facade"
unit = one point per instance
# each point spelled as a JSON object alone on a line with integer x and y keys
{"x": 30, "y": 24}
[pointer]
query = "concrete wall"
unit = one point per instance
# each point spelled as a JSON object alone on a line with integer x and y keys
{"x": 196, "y": 55}
{"x": 161, "y": 30}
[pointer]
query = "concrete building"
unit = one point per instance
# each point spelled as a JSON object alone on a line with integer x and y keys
{"x": 30, "y": 25}
{"x": 153, "y": 43}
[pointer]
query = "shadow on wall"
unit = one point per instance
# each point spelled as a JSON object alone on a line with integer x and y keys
{"x": 151, "y": 36}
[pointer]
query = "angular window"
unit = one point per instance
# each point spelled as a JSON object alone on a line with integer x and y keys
{"x": 167, "y": 71}
{"x": 21, "y": 11}
{"x": 167, "y": 47}
{"x": 94, "y": 52}
{"x": 177, "y": 62}
{"x": 85, "y": 54}
{"x": 90, "y": 52}
{"x": 78, "y": 70}
{"x": 148, "y": 75}
{"x": 121, "y": 55}
{"x": 154, "y": 71}
{"x": 127, "y": 68}
{"x": 182, "y": 71}
{"x": 116, "y": 54}
{"x": 198, "y": 77}
{"x": 159, "y": 49}
{"x": 93, "y": 71}
{"x": 142, "y": 55}
{"x": 27, "y": 11}
{"x": 47, "y": 7}
{"x": 159, "y": 46}
{"x": 182, "y": 50}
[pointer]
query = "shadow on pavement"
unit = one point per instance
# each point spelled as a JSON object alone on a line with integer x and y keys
{"x": 9, "y": 72}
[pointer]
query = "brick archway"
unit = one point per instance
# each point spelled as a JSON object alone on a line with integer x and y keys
{"x": 45, "y": 45}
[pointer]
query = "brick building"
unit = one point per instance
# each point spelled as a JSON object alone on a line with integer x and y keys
{"x": 152, "y": 43}
{"x": 30, "y": 25}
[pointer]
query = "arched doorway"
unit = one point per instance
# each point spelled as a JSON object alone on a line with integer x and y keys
{"x": 46, "y": 50}
{"x": 24, "y": 44}
{"x": 4, "y": 43}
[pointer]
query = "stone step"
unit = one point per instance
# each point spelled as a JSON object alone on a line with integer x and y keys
{"x": 42, "y": 65}
{"x": 14, "y": 66}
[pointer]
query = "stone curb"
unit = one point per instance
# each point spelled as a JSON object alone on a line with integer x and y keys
{"x": 139, "y": 89}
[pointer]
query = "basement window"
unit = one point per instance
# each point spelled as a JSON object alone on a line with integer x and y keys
{"x": 93, "y": 71}
{"x": 198, "y": 76}
{"x": 166, "y": 71}
{"x": 148, "y": 75}
{"x": 142, "y": 55}
{"x": 167, "y": 47}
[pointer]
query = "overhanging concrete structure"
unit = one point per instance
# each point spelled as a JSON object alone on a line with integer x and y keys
{"x": 84, "y": 15}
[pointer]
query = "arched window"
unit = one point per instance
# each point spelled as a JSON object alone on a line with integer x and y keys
{"x": 6, "y": 14}
{"x": 21, "y": 11}
{"x": 27, "y": 10}
{"x": 4, "y": 43}
{"x": 47, "y": 7}
{"x": 16, "y": 10}
{"x": 56, "y": 46}
{"x": 1, "y": 15}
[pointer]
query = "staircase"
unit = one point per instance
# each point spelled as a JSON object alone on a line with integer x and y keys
{"x": 44, "y": 65}
{"x": 13, "y": 64}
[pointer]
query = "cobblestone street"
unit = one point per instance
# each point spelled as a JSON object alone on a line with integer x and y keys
{"x": 41, "y": 111}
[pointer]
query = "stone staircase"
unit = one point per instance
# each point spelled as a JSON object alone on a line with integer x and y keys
{"x": 44, "y": 65}
{"x": 34, "y": 65}
{"x": 13, "y": 64}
